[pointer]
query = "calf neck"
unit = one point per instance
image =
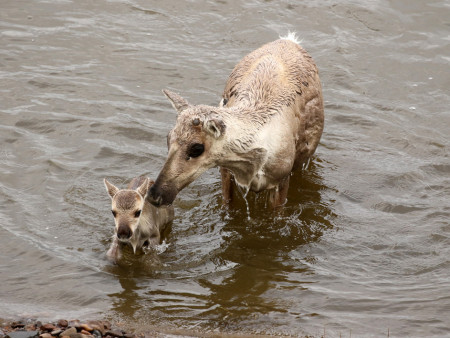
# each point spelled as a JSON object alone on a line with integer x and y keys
{"x": 268, "y": 123}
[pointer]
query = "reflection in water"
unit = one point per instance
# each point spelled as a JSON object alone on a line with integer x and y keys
{"x": 260, "y": 246}
{"x": 129, "y": 270}
{"x": 228, "y": 271}
{"x": 127, "y": 300}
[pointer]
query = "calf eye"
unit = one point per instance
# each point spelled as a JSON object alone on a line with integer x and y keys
{"x": 137, "y": 213}
{"x": 196, "y": 150}
{"x": 114, "y": 213}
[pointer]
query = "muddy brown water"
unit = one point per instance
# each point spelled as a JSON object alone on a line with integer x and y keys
{"x": 362, "y": 247}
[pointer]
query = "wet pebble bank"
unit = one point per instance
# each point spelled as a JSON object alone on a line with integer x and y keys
{"x": 61, "y": 329}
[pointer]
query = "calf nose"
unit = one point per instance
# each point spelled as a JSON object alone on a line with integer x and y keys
{"x": 124, "y": 232}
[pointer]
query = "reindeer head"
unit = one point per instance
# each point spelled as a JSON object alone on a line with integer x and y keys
{"x": 195, "y": 145}
{"x": 127, "y": 206}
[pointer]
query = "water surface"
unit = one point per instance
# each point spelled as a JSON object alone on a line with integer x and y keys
{"x": 362, "y": 246}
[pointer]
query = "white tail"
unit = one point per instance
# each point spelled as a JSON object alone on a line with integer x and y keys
{"x": 291, "y": 36}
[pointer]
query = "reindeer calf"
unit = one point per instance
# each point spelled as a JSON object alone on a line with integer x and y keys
{"x": 137, "y": 222}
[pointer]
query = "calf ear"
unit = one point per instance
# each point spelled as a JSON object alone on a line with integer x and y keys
{"x": 177, "y": 101}
{"x": 215, "y": 126}
{"x": 143, "y": 187}
{"x": 110, "y": 188}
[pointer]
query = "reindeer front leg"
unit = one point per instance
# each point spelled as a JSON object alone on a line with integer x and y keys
{"x": 114, "y": 253}
{"x": 227, "y": 186}
{"x": 277, "y": 196}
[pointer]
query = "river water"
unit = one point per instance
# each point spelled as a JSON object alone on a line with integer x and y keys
{"x": 362, "y": 247}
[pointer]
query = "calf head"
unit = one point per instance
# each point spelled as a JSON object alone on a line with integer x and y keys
{"x": 195, "y": 145}
{"x": 127, "y": 206}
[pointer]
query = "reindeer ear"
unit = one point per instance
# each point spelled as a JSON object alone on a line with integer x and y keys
{"x": 143, "y": 188}
{"x": 110, "y": 188}
{"x": 215, "y": 126}
{"x": 177, "y": 101}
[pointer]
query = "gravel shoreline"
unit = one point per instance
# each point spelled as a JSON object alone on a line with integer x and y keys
{"x": 28, "y": 328}
{"x": 33, "y": 328}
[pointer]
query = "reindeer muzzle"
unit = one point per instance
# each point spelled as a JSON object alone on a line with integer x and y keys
{"x": 124, "y": 232}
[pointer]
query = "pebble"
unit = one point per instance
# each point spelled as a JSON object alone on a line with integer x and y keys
{"x": 45, "y": 335}
{"x": 17, "y": 325}
{"x": 22, "y": 334}
{"x": 96, "y": 325}
{"x": 68, "y": 332}
{"x": 63, "y": 323}
{"x": 76, "y": 335}
{"x": 86, "y": 327}
{"x": 47, "y": 327}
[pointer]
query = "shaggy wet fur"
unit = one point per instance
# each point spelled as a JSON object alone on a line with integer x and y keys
{"x": 268, "y": 124}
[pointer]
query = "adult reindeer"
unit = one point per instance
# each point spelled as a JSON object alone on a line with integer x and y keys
{"x": 267, "y": 125}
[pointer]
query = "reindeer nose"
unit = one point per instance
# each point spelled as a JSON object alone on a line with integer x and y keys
{"x": 157, "y": 202}
{"x": 124, "y": 232}
{"x": 160, "y": 195}
{"x": 154, "y": 197}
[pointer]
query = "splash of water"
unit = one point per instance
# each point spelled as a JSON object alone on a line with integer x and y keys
{"x": 161, "y": 248}
{"x": 306, "y": 164}
{"x": 244, "y": 192}
{"x": 158, "y": 249}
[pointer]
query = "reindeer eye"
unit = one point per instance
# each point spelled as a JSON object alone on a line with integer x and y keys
{"x": 137, "y": 213}
{"x": 114, "y": 213}
{"x": 196, "y": 150}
